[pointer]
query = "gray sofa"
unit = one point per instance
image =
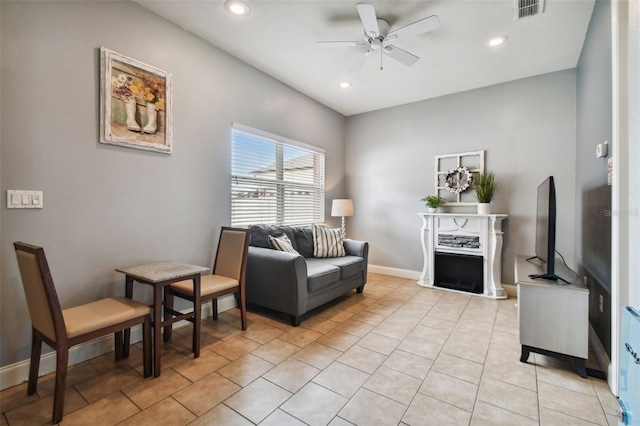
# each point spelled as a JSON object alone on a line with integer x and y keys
{"x": 294, "y": 284}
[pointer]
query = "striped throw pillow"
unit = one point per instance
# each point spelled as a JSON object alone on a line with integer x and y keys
{"x": 327, "y": 242}
{"x": 282, "y": 243}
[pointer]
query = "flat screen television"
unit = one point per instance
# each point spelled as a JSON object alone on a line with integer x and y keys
{"x": 546, "y": 230}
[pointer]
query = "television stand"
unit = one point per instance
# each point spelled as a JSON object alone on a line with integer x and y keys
{"x": 549, "y": 277}
{"x": 580, "y": 363}
{"x": 553, "y": 319}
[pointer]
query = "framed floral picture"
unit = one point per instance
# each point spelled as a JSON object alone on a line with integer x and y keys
{"x": 135, "y": 103}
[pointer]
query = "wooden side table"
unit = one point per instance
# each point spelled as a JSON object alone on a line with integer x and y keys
{"x": 159, "y": 275}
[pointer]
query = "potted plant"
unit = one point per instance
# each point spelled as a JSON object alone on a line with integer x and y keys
{"x": 486, "y": 187}
{"x": 433, "y": 202}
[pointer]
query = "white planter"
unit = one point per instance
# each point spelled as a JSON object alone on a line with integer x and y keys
{"x": 432, "y": 209}
{"x": 484, "y": 208}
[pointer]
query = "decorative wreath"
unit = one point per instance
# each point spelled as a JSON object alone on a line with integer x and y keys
{"x": 453, "y": 183}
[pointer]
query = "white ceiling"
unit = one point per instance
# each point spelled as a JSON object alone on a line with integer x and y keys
{"x": 278, "y": 38}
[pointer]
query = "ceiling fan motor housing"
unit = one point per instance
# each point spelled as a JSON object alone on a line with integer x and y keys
{"x": 383, "y": 28}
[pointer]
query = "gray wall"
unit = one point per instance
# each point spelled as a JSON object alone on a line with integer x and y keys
{"x": 107, "y": 206}
{"x": 593, "y": 195}
{"x": 526, "y": 127}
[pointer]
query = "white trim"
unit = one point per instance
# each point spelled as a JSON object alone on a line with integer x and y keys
{"x": 394, "y": 272}
{"x": 617, "y": 156}
{"x": 14, "y": 374}
{"x": 599, "y": 351}
{"x": 277, "y": 138}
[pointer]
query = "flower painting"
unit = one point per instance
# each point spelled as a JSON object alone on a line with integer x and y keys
{"x": 135, "y": 104}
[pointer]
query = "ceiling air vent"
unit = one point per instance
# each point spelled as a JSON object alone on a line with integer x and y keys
{"x": 526, "y": 8}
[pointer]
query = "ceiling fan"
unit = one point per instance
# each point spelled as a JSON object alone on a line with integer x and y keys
{"x": 378, "y": 37}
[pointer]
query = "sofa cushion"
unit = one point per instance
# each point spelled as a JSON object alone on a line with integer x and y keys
{"x": 349, "y": 265}
{"x": 321, "y": 274}
{"x": 304, "y": 241}
{"x": 259, "y": 235}
{"x": 327, "y": 242}
{"x": 282, "y": 243}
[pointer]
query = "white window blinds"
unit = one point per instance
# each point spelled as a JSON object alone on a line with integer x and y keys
{"x": 274, "y": 180}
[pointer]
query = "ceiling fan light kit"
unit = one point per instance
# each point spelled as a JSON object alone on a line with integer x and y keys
{"x": 378, "y": 37}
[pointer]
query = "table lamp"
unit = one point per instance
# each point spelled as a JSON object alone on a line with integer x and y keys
{"x": 342, "y": 208}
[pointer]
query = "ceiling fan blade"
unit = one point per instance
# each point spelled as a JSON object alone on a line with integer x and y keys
{"x": 340, "y": 43}
{"x": 401, "y": 56}
{"x": 357, "y": 65}
{"x": 420, "y": 27}
{"x": 369, "y": 20}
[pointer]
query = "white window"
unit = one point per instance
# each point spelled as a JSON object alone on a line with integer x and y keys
{"x": 274, "y": 180}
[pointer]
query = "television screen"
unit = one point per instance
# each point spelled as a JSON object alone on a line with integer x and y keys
{"x": 546, "y": 227}
{"x": 546, "y": 231}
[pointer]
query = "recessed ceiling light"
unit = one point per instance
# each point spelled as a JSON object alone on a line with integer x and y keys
{"x": 345, "y": 84}
{"x": 236, "y": 7}
{"x": 497, "y": 41}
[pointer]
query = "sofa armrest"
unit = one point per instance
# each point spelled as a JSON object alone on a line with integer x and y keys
{"x": 358, "y": 248}
{"x": 277, "y": 280}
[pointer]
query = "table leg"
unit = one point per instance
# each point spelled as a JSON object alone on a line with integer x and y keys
{"x": 157, "y": 328}
{"x": 197, "y": 316}
{"x": 128, "y": 293}
{"x": 168, "y": 304}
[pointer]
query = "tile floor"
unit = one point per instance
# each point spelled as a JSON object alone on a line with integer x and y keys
{"x": 396, "y": 354}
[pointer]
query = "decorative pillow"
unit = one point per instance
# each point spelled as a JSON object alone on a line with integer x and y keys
{"x": 282, "y": 243}
{"x": 327, "y": 242}
{"x": 304, "y": 241}
{"x": 259, "y": 235}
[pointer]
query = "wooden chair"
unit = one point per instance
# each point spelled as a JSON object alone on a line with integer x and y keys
{"x": 229, "y": 272}
{"x": 63, "y": 328}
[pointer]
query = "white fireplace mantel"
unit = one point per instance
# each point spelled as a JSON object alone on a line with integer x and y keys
{"x": 485, "y": 234}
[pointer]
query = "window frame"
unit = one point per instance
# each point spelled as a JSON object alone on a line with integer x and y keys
{"x": 317, "y": 211}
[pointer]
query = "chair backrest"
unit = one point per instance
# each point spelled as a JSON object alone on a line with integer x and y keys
{"x": 231, "y": 257}
{"x": 42, "y": 299}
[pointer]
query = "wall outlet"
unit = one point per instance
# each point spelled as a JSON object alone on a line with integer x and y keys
{"x": 601, "y": 303}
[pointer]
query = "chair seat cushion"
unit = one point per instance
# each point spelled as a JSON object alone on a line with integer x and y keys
{"x": 209, "y": 284}
{"x": 102, "y": 313}
{"x": 321, "y": 274}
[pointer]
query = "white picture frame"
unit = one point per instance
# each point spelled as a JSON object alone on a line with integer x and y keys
{"x": 135, "y": 104}
{"x": 472, "y": 161}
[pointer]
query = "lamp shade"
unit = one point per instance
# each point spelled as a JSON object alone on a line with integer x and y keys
{"x": 342, "y": 207}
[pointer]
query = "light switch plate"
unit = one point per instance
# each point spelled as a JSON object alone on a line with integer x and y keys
{"x": 18, "y": 199}
{"x": 602, "y": 149}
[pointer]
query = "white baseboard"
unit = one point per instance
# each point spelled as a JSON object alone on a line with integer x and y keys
{"x": 14, "y": 374}
{"x": 601, "y": 355}
{"x": 395, "y": 272}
